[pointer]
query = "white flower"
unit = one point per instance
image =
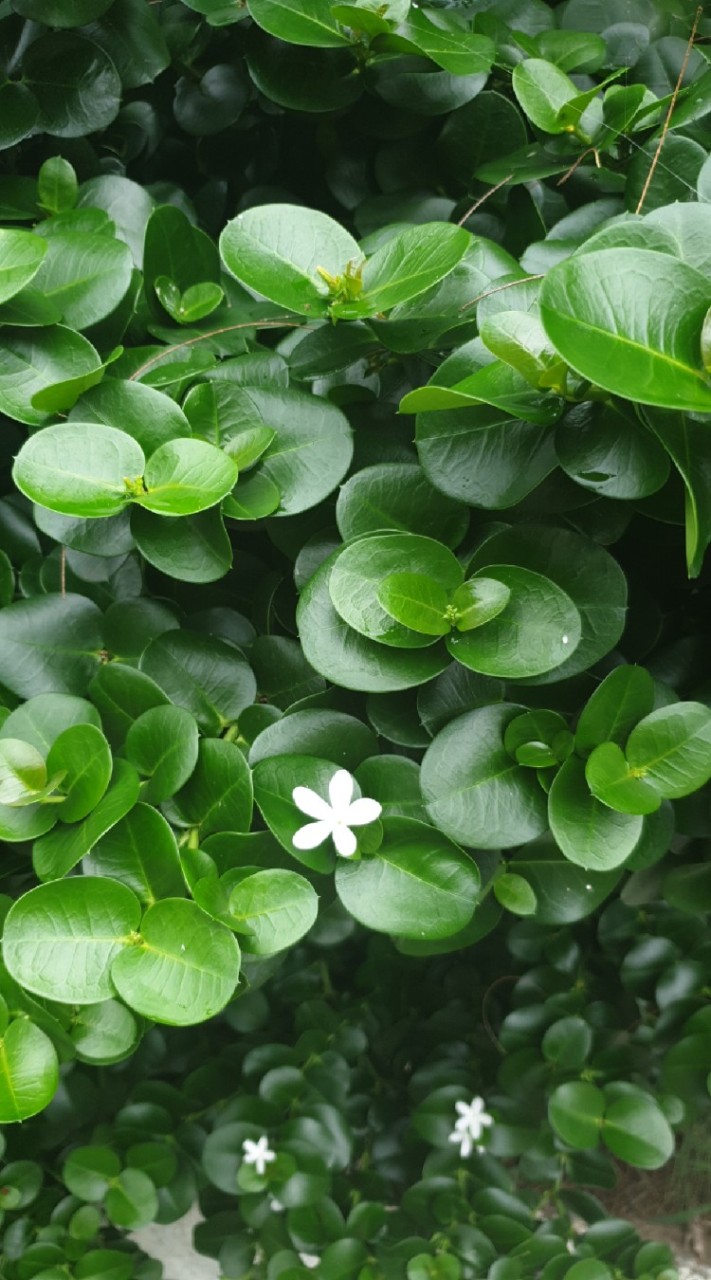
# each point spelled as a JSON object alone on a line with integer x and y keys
{"x": 470, "y": 1126}
{"x": 258, "y": 1154}
{"x": 309, "y": 1259}
{"x": 334, "y": 819}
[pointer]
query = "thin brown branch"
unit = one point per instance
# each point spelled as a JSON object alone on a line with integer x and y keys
{"x": 497, "y": 289}
{"x": 478, "y": 203}
{"x": 670, "y": 111}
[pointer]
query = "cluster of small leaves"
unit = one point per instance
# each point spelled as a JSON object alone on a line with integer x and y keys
{"x": 349, "y": 1064}
{"x": 355, "y": 384}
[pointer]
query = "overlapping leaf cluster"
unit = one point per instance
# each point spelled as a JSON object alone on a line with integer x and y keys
{"x": 355, "y": 390}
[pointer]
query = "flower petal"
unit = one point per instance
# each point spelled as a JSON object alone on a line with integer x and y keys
{"x": 345, "y": 842}
{"x": 340, "y": 792}
{"x": 313, "y": 834}
{"x": 362, "y": 811}
{"x": 310, "y": 803}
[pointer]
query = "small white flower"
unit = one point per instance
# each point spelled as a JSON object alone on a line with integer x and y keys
{"x": 309, "y": 1259}
{"x": 258, "y": 1154}
{"x": 470, "y": 1126}
{"x": 334, "y": 819}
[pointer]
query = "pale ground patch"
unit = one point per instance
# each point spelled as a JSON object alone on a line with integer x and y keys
{"x": 173, "y": 1246}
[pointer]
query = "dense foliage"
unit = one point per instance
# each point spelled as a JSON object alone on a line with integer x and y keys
{"x": 355, "y": 381}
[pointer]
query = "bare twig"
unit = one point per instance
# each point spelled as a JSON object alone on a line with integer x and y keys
{"x": 478, "y": 203}
{"x": 497, "y": 289}
{"x": 670, "y": 111}
{"x": 569, "y": 172}
{"x": 63, "y": 571}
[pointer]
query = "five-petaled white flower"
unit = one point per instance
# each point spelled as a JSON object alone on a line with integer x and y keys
{"x": 468, "y": 1129}
{"x": 258, "y": 1154}
{"x": 334, "y": 819}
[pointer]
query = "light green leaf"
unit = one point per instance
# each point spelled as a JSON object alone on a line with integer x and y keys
{"x": 21, "y": 254}
{"x": 637, "y": 1131}
{"x": 60, "y": 938}
{"x": 416, "y": 601}
{"x": 22, "y": 772}
{"x": 82, "y": 756}
{"x": 29, "y": 1071}
{"x": 186, "y": 476}
{"x": 405, "y": 267}
{"x": 575, "y": 1111}
{"x": 273, "y": 909}
{"x": 613, "y": 782}
{"x": 672, "y": 748}
{"x": 586, "y": 831}
{"x": 304, "y": 22}
{"x": 601, "y": 312}
{"x": 183, "y": 967}
{"x": 478, "y": 600}
{"x": 85, "y": 276}
{"x": 162, "y": 744}
{"x": 625, "y": 696}
{"x": 79, "y": 469}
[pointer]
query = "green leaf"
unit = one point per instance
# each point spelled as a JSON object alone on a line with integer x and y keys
{"x": 186, "y": 476}
{"x": 104, "y": 1033}
{"x": 56, "y": 853}
{"x": 274, "y": 781}
{"x": 177, "y": 251}
{"x": 21, "y": 254}
{"x": 203, "y": 109}
{"x": 84, "y": 276}
{"x": 585, "y": 572}
{"x": 417, "y": 885}
{"x": 29, "y": 1071}
{"x": 536, "y": 631}
{"x": 612, "y": 781}
{"x": 416, "y": 601}
{"x": 637, "y": 1131}
{"x": 19, "y": 110}
{"x": 600, "y": 311}
{"x": 131, "y": 1201}
{"x": 603, "y": 448}
{"x": 301, "y": 22}
{"x": 88, "y": 1171}
{"x": 360, "y": 568}
{"x": 542, "y": 90}
{"x": 141, "y": 852}
{"x": 22, "y": 772}
{"x": 397, "y": 496}
{"x": 273, "y": 909}
{"x": 162, "y": 744}
{"x": 75, "y": 82}
{"x": 567, "y": 1043}
{"x": 589, "y": 833}
{"x": 50, "y": 644}
{"x": 82, "y": 755}
{"x": 456, "y": 50}
{"x": 575, "y": 1111}
{"x": 61, "y": 938}
{"x": 515, "y": 894}
{"x": 672, "y": 748}
{"x": 79, "y": 469}
{"x": 252, "y": 498}
{"x": 140, "y": 411}
{"x": 183, "y": 967}
{"x": 473, "y": 790}
{"x": 331, "y": 735}
{"x": 405, "y": 267}
{"x": 191, "y": 548}
{"x": 38, "y": 362}
{"x": 478, "y": 600}
{"x": 218, "y": 794}
{"x": 625, "y": 696}
{"x": 208, "y": 677}
{"x": 276, "y": 249}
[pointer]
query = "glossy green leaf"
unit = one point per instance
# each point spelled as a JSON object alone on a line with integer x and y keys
{"x": 589, "y": 833}
{"x": 183, "y": 967}
{"x": 162, "y": 744}
{"x": 600, "y": 312}
{"x": 611, "y": 780}
{"x": 23, "y": 772}
{"x": 191, "y": 548}
{"x": 362, "y": 566}
{"x": 202, "y": 674}
{"x": 50, "y": 644}
{"x": 686, "y": 440}
{"x": 79, "y": 469}
{"x": 21, "y": 255}
{"x": 75, "y": 82}
{"x": 537, "y": 630}
{"x": 406, "y": 267}
{"x": 61, "y": 938}
{"x": 61, "y": 13}
{"x": 104, "y": 1033}
{"x": 272, "y": 909}
{"x": 473, "y": 790}
{"x": 277, "y": 249}
{"x": 637, "y": 1131}
{"x": 131, "y": 1201}
{"x": 417, "y": 885}
{"x": 218, "y": 794}
{"x": 416, "y": 601}
{"x": 671, "y": 748}
{"x": 331, "y": 735}
{"x": 140, "y": 851}
{"x": 81, "y": 755}
{"x": 34, "y": 362}
{"x": 140, "y": 411}
{"x": 478, "y": 600}
{"x": 56, "y": 853}
{"x": 84, "y": 276}
{"x": 186, "y": 476}
{"x": 29, "y": 1071}
{"x": 625, "y": 696}
{"x": 542, "y": 90}
{"x": 575, "y": 1111}
{"x": 397, "y": 496}
{"x": 301, "y": 22}
{"x": 515, "y": 894}
{"x": 456, "y": 50}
